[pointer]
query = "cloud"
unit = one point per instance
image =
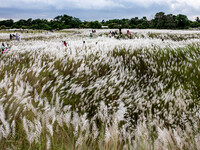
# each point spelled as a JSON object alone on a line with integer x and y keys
{"x": 173, "y": 3}
{"x": 92, "y": 4}
{"x": 61, "y": 4}
{"x": 92, "y": 9}
{"x": 99, "y": 4}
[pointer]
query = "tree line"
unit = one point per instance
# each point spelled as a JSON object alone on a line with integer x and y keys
{"x": 160, "y": 21}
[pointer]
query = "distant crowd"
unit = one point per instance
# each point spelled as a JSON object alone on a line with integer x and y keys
{"x": 116, "y": 34}
{"x": 120, "y": 35}
{"x": 15, "y": 37}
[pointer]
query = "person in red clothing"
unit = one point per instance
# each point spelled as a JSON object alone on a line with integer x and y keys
{"x": 64, "y": 42}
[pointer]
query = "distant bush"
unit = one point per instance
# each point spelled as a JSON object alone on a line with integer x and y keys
{"x": 3, "y": 27}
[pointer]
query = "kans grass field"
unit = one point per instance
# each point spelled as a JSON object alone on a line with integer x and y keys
{"x": 107, "y": 94}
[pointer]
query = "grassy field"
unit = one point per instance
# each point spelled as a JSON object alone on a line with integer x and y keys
{"x": 140, "y": 93}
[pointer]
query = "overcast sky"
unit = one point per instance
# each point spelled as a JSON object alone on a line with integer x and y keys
{"x": 96, "y": 9}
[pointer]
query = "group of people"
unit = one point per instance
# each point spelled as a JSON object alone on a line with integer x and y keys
{"x": 112, "y": 33}
{"x": 120, "y": 35}
{"x": 93, "y": 31}
{"x": 15, "y": 37}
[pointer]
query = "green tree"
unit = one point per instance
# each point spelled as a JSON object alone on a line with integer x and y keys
{"x": 94, "y": 25}
{"x": 2, "y": 27}
{"x": 113, "y": 26}
{"x": 159, "y": 20}
{"x": 194, "y": 24}
{"x": 182, "y": 22}
{"x": 170, "y": 22}
{"x": 7, "y": 23}
{"x": 103, "y": 22}
{"x": 29, "y": 22}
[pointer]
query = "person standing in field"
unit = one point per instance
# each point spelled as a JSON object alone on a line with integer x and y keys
{"x": 120, "y": 30}
{"x": 19, "y": 38}
{"x": 16, "y": 36}
{"x": 64, "y": 42}
{"x": 11, "y": 36}
{"x": 130, "y": 36}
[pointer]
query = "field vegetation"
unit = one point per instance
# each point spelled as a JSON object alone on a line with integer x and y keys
{"x": 140, "y": 93}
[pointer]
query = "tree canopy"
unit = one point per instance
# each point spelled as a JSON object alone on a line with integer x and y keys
{"x": 160, "y": 21}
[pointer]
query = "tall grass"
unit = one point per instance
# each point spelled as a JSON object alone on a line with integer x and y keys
{"x": 110, "y": 95}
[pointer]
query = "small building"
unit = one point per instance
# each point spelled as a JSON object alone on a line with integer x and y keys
{"x": 104, "y": 27}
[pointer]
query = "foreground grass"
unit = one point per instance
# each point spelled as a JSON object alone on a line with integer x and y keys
{"x": 144, "y": 98}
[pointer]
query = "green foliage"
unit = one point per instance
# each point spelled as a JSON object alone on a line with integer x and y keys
{"x": 160, "y": 21}
{"x": 143, "y": 25}
{"x": 94, "y": 25}
{"x": 7, "y": 23}
{"x": 194, "y": 24}
{"x": 2, "y": 27}
{"x": 113, "y": 26}
{"x": 182, "y": 22}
